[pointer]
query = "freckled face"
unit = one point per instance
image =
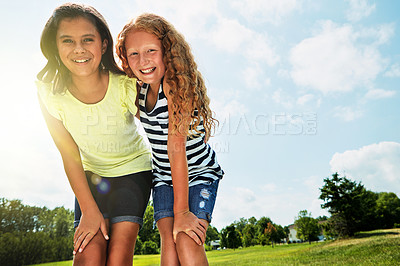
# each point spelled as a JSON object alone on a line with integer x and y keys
{"x": 79, "y": 46}
{"x": 145, "y": 57}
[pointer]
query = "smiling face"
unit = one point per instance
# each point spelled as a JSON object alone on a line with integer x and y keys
{"x": 145, "y": 57}
{"x": 79, "y": 46}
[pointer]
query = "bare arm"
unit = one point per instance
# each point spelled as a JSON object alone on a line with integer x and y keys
{"x": 92, "y": 219}
{"x": 184, "y": 220}
{"x": 137, "y": 100}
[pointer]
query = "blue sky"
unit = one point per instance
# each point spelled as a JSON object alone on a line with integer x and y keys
{"x": 302, "y": 89}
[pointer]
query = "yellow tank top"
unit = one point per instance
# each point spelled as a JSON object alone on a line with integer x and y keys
{"x": 105, "y": 132}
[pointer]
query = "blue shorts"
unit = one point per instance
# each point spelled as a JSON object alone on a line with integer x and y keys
{"x": 201, "y": 200}
{"x": 119, "y": 199}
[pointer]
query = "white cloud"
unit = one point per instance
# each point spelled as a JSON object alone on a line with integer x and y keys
{"x": 245, "y": 194}
{"x": 281, "y": 202}
{"x": 281, "y": 97}
{"x": 254, "y": 77}
{"x": 394, "y": 71}
{"x": 359, "y": 9}
{"x": 381, "y": 34}
{"x": 306, "y": 102}
{"x": 283, "y": 73}
{"x": 236, "y": 202}
{"x": 272, "y": 11}
{"x": 379, "y": 94}
{"x": 251, "y": 76}
{"x": 189, "y": 17}
{"x": 347, "y": 113}
{"x": 338, "y": 59}
{"x": 203, "y": 21}
{"x": 271, "y": 187}
{"x": 305, "y": 99}
{"x": 225, "y": 110}
{"x": 230, "y": 36}
{"x": 258, "y": 48}
{"x": 376, "y": 166}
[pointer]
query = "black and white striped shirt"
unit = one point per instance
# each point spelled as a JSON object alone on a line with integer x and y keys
{"x": 202, "y": 162}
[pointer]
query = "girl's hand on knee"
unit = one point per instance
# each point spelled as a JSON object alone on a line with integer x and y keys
{"x": 91, "y": 222}
{"x": 188, "y": 223}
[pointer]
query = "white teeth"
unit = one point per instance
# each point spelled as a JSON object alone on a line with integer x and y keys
{"x": 147, "y": 71}
{"x": 81, "y": 60}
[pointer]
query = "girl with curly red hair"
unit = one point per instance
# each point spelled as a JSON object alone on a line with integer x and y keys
{"x": 175, "y": 113}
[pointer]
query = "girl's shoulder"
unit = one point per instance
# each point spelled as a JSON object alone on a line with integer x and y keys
{"x": 123, "y": 82}
{"x": 125, "y": 89}
{"x": 52, "y": 101}
{"x": 43, "y": 87}
{"x": 45, "y": 91}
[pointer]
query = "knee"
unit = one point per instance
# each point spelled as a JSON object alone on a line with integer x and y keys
{"x": 185, "y": 242}
{"x": 189, "y": 252}
{"x": 94, "y": 253}
{"x": 182, "y": 237}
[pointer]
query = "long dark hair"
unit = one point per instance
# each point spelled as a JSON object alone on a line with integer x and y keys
{"x": 55, "y": 71}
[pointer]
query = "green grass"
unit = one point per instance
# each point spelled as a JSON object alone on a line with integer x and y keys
{"x": 381, "y": 247}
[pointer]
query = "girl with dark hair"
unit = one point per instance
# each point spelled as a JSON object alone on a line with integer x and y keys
{"x": 89, "y": 107}
{"x": 175, "y": 113}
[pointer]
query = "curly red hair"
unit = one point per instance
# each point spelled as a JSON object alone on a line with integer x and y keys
{"x": 188, "y": 91}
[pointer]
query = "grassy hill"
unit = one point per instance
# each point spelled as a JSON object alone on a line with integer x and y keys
{"x": 380, "y": 247}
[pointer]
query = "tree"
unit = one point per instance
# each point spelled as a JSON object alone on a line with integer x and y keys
{"x": 262, "y": 225}
{"x": 387, "y": 210}
{"x": 148, "y": 232}
{"x": 249, "y": 235}
{"x": 240, "y": 224}
{"x": 230, "y": 237}
{"x": 149, "y": 247}
{"x": 271, "y": 234}
{"x": 307, "y": 227}
{"x": 368, "y": 218}
{"x": 322, "y": 218}
{"x": 30, "y": 235}
{"x": 282, "y": 233}
{"x": 212, "y": 234}
{"x": 63, "y": 225}
{"x": 348, "y": 203}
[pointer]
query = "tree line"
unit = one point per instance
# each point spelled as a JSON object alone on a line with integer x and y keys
{"x": 251, "y": 232}
{"x": 30, "y": 235}
{"x": 354, "y": 208}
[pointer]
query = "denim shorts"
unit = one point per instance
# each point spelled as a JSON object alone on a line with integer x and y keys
{"x": 119, "y": 199}
{"x": 201, "y": 200}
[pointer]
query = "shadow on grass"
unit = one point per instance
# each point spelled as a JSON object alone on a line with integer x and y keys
{"x": 375, "y": 233}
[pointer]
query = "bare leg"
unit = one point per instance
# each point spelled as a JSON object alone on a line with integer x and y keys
{"x": 95, "y": 253}
{"x": 189, "y": 252}
{"x": 168, "y": 249}
{"x": 122, "y": 243}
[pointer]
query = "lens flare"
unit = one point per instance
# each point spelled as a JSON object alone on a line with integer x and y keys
{"x": 96, "y": 179}
{"x": 104, "y": 186}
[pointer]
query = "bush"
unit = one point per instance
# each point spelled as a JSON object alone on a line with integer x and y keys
{"x": 149, "y": 247}
{"x": 138, "y": 246}
{"x": 207, "y": 247}
{"x": 30, "y": 235}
